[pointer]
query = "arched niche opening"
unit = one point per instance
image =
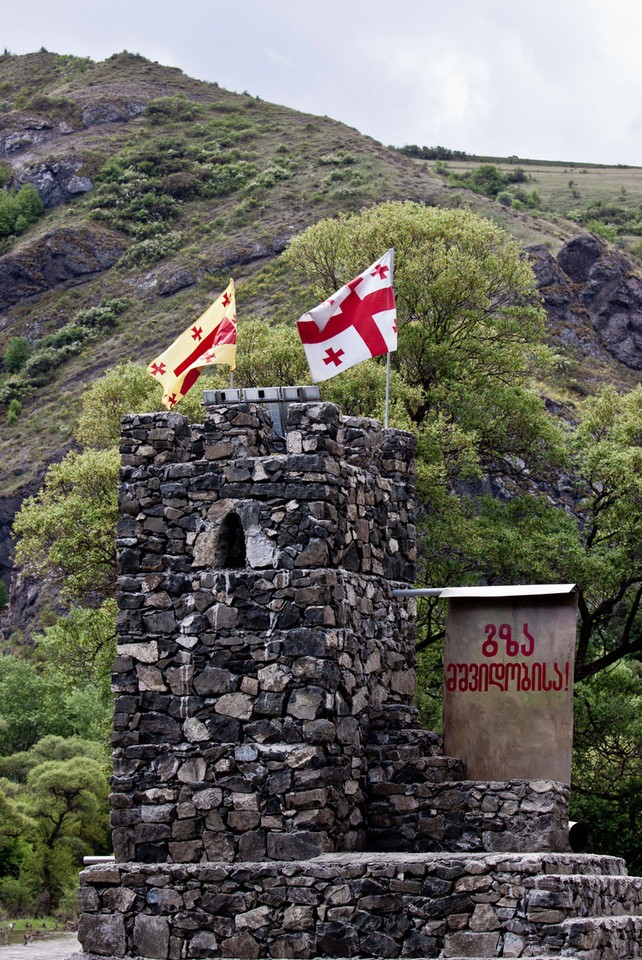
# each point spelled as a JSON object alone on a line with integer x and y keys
{"x": 231, "y": 542}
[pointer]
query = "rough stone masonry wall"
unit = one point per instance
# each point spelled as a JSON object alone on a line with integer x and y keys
{"x": 343, "y": 905}
{"x": 258, "y": 638}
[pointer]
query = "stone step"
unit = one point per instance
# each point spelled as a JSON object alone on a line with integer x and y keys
{"x": 403, "y": 765}
{"x": 425, "y": 743}
{"x": 603, "y": 938}
{"x": 553, "y": 898}
{"x": 468, "y": 816}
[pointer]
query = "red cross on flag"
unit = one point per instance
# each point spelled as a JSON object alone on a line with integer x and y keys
{"x": 211, "y": 340}
{"x": 358, "y": 322}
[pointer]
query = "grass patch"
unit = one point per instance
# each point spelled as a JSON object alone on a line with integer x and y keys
{"x": 28, "y": 930}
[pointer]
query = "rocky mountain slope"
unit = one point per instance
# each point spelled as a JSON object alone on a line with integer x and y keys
{"x": 156, "y": 188}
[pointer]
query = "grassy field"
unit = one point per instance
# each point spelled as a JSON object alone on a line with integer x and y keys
{"x": 571, "y": 194}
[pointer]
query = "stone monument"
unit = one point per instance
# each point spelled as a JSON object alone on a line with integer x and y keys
{"x": 273, "y": 793}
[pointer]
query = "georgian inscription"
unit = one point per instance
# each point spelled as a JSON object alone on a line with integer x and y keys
{"x": 500, "y": 670}
{"x": 508, "y": 682}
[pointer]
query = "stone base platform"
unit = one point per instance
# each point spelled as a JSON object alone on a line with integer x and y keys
{"x": 363, "y": 905}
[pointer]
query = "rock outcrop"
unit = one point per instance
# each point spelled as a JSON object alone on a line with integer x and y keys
{"x": 57, "y": 258}
{"x": 56, "y": 181}
{"x": 593, "y": 298}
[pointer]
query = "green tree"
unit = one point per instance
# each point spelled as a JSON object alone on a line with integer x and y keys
{"x": 471, "y": 332}
{"x": 67, "y": 799}
{"x": 13, "y": 411}
{"x": 471, "y": 325}
{"x": 127, "y": 388}
{"x": 607, "y": 761}
{"x": 272, "y": 355}
{"x": 15, "y": 829}
{"x": 29, "y": 204}
{"x": 605, "y": 555}
{"x": 19, "y": 209}
{"x": 32, "y": 705}
{"x": 53, "y": 809}
{"x": 17, "y": 766}
{"x": 67, "y": 530}
{"x": 82, "y": 644}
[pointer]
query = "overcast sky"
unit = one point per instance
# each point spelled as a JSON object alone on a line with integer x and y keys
{"x": 547, "y": 79}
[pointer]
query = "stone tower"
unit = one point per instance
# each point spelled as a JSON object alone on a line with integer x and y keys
{"x": 259, "y": 641}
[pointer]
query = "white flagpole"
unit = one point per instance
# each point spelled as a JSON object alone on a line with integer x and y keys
{"x": 385, "y": 420}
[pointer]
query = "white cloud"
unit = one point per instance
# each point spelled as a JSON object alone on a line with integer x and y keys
{"x": 275, "y": 56}
{"x": 556, "y": 79}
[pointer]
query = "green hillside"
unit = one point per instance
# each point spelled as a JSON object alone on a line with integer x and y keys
{"x": 189, "y": 184}
{"x": 157, "y": 189}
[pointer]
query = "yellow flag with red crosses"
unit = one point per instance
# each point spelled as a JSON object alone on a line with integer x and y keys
{"x": 211, "y": 340}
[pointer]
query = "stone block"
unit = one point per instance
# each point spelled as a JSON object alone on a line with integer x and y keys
{"x": 244, "y": 946}
{"x": 297, "y": 846}
{"x": 203, "y": 944}
{"x": 462, "y": 944}
{"x": 192, "y": 771}
{"x": 102, "y": 934}
{"x": 484, "y": 918}
{"x": 236, "y": 705}
{"x": 306, "y": 702}
{"x": 151, "y": 937}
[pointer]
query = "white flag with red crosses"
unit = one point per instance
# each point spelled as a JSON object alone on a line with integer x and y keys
{"x": 358, "y": 322}
{"x": 211, "y": 340}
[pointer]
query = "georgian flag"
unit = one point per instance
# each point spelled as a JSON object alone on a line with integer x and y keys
{"x": 211, "y": 340}
{"x": 358, "y": 322}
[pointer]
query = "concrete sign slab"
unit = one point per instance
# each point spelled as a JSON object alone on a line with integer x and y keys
{"x": 508, "y": 681}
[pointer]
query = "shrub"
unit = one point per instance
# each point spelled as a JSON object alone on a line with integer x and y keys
{"x": 14, "y": 388}
{"x": 43, "y": 361}
{"x": 151, "y": 250}
{"x": 221, "y": 180}
{"x": 270, "y": 176}
{"x": 177, "y": 107}
{"x": 13, "y": 411}
{"x": 104, "y": 315}
{"x": 4, "y": 595}
{"x": 133, "y": 204}
{"x": 71, "y": 333}
{"x": 341, "y": 158}
{"x": 181, "y": 186}
{"x": 19, "y": 209}
{"x": 604, "y": 230}
{"x": 16, "y": 354}
{"x": 518, "y": 175}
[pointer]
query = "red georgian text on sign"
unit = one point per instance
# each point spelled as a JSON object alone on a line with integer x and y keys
{"x": 524, "y": 677}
